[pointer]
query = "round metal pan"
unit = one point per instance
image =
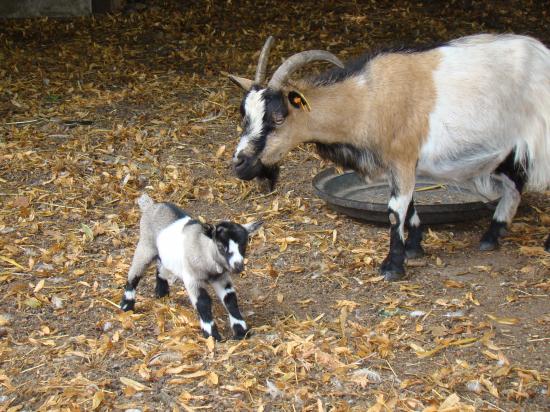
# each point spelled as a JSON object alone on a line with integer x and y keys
{"x": 435, "y": 202}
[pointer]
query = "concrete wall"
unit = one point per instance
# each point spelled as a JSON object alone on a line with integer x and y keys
{"x": 56, "y": 8}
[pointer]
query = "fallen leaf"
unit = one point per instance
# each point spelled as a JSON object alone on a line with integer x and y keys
{"x": 504, "y": 321}
{"x": 134, "y": 384}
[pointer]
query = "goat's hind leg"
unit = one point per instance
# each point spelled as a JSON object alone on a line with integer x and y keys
{"x": 143, "y": 256}
{"x": 162, "y": 288}
{"x": 413, "y": 245}
{"x": 513, "y": 178}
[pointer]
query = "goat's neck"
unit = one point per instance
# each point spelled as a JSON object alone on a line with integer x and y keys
{"x": 213, "y": 261}
{"x": 336, "y": 116}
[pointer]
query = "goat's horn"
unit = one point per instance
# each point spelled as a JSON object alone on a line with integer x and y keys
{"x": 298, "y": 60}
{"x": 262, "y": 61}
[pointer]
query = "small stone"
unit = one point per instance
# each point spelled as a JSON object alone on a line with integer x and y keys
{"x": 57, "y": 302}
{"x": 107, "y": 326}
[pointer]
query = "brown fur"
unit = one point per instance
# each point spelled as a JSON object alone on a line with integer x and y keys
{"x": 386, "y": 107}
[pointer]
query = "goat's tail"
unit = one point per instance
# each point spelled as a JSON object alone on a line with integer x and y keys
{"x": 145, "y": 202}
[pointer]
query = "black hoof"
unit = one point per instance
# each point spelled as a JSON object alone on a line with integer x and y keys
{"x": 215, "y": 334}
{"x": 392, "y": 271}
{"x": 547, "y": 244}
{"x": 486, "y": 245}
{"x": 162, "y": 288}
{"x": 127, "y": 305}
{"x": 240, "y": 333}
{"x": 393, "y": 276}
{"x": 414, "y": 253}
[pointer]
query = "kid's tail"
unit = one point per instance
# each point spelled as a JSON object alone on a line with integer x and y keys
{"x": 145, "y": 202}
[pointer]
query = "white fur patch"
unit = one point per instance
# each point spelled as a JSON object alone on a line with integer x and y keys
{"x": 130, "y": 294}
{"x": 400, "y": 205}
{"x": 509, "y": 202}
{"x": 227, "y": 292}
{"x": 234, "y": 321}
{"x": 170, "y": 244}
{"x": 415, "y": 220}
{"x": 236, "y": 256}
{"x": 254, "y": 109}
{"x": 485, "y": 111}
{"x": 206, "y": 326}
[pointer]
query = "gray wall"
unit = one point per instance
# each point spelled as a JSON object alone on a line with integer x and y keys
{"x": 55, "y": 8}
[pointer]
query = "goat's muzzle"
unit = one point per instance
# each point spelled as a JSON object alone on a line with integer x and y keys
{"x": 237, "y": 268}
{"x": 248, "y": 167}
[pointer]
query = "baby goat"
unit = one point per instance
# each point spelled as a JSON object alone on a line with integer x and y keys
{"x": 196, "y": 254}
{"x": 475, "y": 109}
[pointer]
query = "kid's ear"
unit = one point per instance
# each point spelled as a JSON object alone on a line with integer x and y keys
{"x": 208, "y": 229}
{"x": 253, "y": 227}
{"x": 220, "y": 230}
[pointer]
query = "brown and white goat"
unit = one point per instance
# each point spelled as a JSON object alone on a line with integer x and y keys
{"x": 475, "y": 109}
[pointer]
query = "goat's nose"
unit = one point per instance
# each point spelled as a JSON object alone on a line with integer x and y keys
{"x": 239, "y": 160}
{"x": 239, "y": 267}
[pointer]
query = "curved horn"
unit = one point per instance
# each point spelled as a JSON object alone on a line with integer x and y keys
{"x": 298, "y": 60}
{"x": 262, "y": 61}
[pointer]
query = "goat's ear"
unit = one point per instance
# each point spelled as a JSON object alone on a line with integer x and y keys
{"x": 298, "y": 100}
{"x": 243, "y": 83}
{"x": 208, "y": 229}
{"x": 253, "y": 227}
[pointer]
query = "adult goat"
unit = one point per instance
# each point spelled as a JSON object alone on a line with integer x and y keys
{"x": 474, "y": 109}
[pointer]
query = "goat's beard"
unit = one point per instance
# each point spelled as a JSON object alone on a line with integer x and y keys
{"x": 269, "y": 176}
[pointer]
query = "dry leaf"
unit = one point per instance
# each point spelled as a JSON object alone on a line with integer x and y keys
{"x": 97, "y": 399}
{"x": 504, "y": 321}
{"x": 134, "y": 384}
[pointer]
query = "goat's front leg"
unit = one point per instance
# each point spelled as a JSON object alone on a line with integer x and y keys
{"x": 225, "y": 291}
{"x": 201, "y": 301}
{"x": 402, "y": 186}
{"x": 143, "y": 256}
{"x": 413, "y": 245}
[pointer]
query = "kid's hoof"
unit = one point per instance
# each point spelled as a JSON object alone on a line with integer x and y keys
{"x": 215, "y": 334}
{"x": 486, "y": 245}
{"x": 547, "y": 244}
{"x": 127, "y": 305}
{"x": 162, "y": 288}
{"x": 414, "y": 253}
{"x": 240, "y": 333}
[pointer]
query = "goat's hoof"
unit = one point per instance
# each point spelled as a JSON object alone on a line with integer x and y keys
{"x": 240, "y": 333}
{"x": 392, "y": 271}
{"x": 486, "y": 245}
{"x": 127, "y": 305}
{"x": 393, "y": 275}
{"x": 547, "y": 245}
{"x": 215, "y": 334}
{"x": 162, "y": 289}
{"x": 414, "y": 253}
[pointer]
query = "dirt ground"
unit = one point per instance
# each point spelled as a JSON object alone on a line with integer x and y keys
{"x": 97, "y": 110}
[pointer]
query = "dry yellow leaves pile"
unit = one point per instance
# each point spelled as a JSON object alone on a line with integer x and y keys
{"x": 96, "y": 110}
